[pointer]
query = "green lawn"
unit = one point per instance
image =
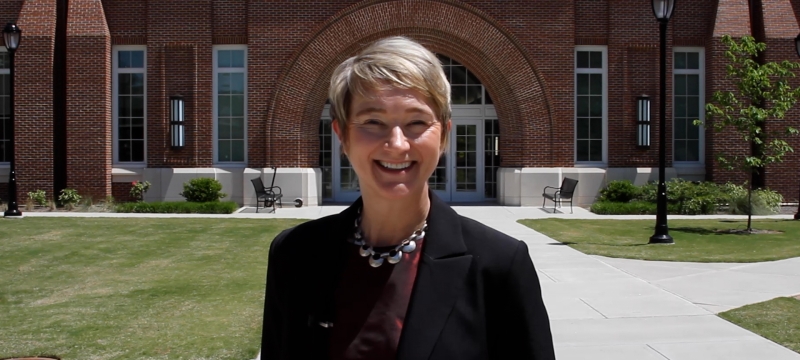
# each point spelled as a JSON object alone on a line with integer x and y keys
{"x": 695, "y": 240}
{"x": 133, "y": 288}
{"x": 777, "y": 320}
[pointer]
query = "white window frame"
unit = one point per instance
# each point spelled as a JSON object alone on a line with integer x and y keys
{"x": 115, "y": 102}
{"x": 604, "y": 71}
{"x": 215, "y": 96}
{"x": 702, "y": 101}
{"x": 4, "y": 164}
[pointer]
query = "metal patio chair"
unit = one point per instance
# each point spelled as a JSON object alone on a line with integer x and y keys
{"x": 268, "y": 195}
{"x": 558, "y": 194}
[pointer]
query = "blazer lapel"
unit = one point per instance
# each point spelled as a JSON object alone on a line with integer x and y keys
{"x": 440, "y": 279}
{"x": 327, "y": 263}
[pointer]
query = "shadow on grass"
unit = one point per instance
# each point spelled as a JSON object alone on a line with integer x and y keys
{"x": 696, "y": 230}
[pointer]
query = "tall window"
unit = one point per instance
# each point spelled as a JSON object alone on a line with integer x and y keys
{"x": 326, "y": 156}
{"x": 688, "y": 102}
{"x": 5, "y": 107}
{"x": 590, "y": 104}
{"x": 230, "y": 103}
{"x": 129, "y": 104}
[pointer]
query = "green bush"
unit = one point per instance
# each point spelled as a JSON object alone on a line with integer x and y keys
{"x": 623, "y": 208}
{"x": 619, "y": 191}
{"x": 649, "y": 192}
{"x": 202, "y": 190}
{"x": 39, "y": 197}
{"x": 69, "y": 198}
{"x": 693, "y": 198}
{"x": 683, "y": 197}
{"x": 178, "y": 207}
{"x": 764, "y": 202}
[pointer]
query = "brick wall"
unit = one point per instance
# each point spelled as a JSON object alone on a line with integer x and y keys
{"x": 9, "y": 10}
{"x": 121, "y": 191}
{"x": 780, "y": 28}
{"x": 732, "y": 18}
{"x": 523, "y": 54}
{"x": 88, "y": 100}
{"x": 33, "y": 108}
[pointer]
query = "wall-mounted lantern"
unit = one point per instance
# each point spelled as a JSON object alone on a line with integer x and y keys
{"x": 643, "y": 121}
{"x": 177, "y": 121}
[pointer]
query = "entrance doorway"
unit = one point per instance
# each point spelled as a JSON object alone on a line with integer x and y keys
{"x": 467, "y": 172}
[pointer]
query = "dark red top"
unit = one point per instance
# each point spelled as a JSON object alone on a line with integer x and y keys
{"x": 371, "y": 305}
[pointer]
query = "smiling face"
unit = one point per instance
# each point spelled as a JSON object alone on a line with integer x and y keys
{"x": 393, "y": 142}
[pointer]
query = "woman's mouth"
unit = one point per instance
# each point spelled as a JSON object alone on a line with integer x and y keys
{"x": 395, "y": 166}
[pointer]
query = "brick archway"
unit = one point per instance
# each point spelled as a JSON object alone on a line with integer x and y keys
{"x": 451, "y": 28}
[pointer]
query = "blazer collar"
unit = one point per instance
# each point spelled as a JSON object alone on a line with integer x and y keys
{"x": 444, "y": 230}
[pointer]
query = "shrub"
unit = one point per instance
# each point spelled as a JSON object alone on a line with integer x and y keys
{"x": 138, "y": 188}
{"x": 731, "y": 191}
{"x": 69, "y": 197}
{"x": 39, "y": 197}
{"x": 693, "y": 198}
{"x": 621, "y": 208}
{"x": 619, "y": 191}
{"x": 179, "y": 207}
{"x": 637, "y": 207}
{"x": 764, "y": 202}
{"x": 202, "y": 190}
{"x": 649, "y": 192}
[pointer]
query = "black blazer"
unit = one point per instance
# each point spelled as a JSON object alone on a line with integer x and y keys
{"x": 476, "y": 294}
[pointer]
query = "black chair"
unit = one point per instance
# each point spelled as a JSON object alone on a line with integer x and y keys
{"x": 566, "y": 191}
{"x": 268, "y": 195}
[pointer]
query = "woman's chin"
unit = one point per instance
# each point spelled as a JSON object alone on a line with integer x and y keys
{"x": 397, "y": 191}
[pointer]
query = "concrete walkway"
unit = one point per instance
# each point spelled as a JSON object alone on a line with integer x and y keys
{"x": 603, "y": 308}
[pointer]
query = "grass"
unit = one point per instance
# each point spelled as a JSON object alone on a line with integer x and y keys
{"x": 777, "y": 320}
{"x": 695, "y": 240}
{"x": 133, "y": 288}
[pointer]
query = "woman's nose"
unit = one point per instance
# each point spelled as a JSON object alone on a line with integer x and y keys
{"x": 397, "y": 139}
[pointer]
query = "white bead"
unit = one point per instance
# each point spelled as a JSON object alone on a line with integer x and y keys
{"x": 410, "y": 247}
{"x": 396, "y": 258}
{"x": 365, "y": 251}
{"x": 375, "y": 262}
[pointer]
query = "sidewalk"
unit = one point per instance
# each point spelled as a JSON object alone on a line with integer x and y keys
{"x": 602, "y": 308}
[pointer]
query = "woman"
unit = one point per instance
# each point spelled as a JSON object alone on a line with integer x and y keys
{"x": 399, "y": 275}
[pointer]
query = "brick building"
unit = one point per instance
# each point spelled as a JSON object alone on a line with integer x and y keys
{"x": 541, "y": 90}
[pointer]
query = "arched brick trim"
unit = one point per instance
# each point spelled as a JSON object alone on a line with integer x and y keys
{"x": 454, "y": 29}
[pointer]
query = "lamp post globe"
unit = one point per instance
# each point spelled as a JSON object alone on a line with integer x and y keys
{"x": 662, "y": 10}
{"x": 12, "y": 35}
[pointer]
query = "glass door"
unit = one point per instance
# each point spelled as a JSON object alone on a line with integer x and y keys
{"x": 466, "y": 159}
{"x": 459, "y": 175}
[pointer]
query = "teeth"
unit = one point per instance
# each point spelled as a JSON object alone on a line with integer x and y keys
{"x": 399, "y": 166}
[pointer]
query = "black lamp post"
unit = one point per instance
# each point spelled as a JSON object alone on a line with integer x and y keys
{"x": 662, "y": 9}
{"x": 797, "y": 49}
{"x": 12, "y": 35}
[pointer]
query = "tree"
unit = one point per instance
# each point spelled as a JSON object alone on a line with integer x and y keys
{"x": 763, "y": 93}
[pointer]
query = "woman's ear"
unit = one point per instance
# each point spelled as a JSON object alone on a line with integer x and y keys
{"x": 338, "y": 131}
{"x": 446, "y": 137}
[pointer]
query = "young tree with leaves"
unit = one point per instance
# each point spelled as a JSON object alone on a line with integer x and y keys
{"x": 763, "y": 93}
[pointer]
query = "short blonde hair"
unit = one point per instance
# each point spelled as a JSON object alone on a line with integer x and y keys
{"x": 397, "y": 61}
